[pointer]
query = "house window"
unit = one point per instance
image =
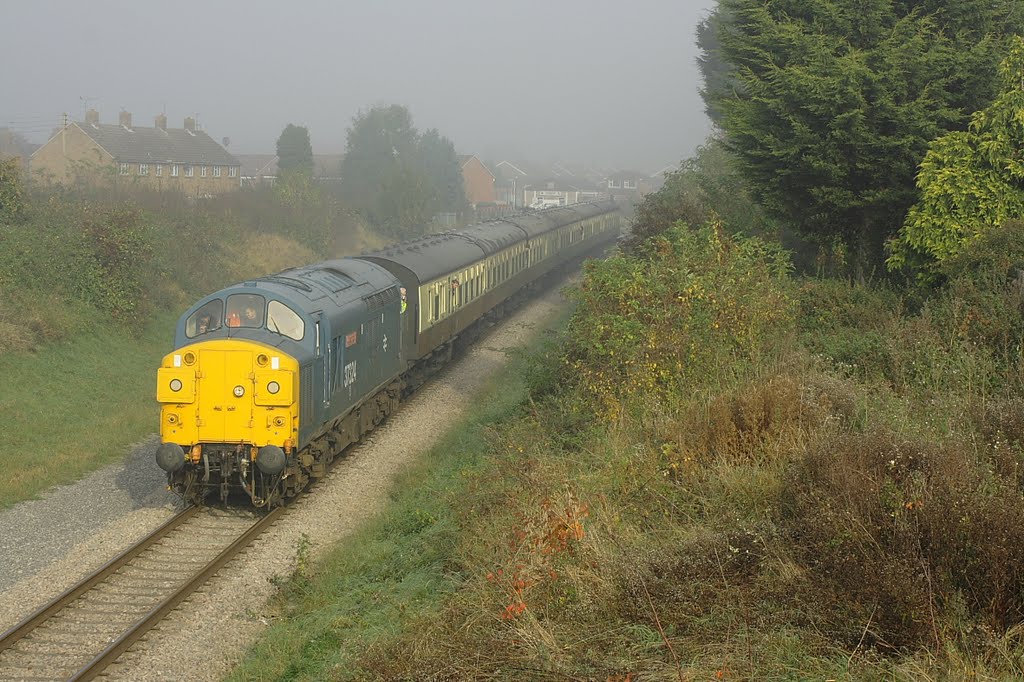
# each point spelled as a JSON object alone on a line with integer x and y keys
{"x": 143, "y": 169}
{"x": 159, "y": 170}
{"x": 216, "y": 171}
{"x": 232, "y": 172}
{"x": 174, "y": 171}
{"x": 189, "y": 171}
{"x": 124, "y": 169}
{"x": 202, "y": 171}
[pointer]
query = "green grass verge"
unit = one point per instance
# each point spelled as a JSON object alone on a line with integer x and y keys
{"x": 77, "y": 405}
{"x": 396, "y": 570}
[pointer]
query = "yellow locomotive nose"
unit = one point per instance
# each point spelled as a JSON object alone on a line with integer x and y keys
{"x": 225, "y": 395}
{"x": 232, "y": 392}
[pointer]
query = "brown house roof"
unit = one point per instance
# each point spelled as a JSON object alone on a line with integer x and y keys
{"x": 466, "y": 158}
{"x": 256, "y": 165}
{"x": 155, "y": 145}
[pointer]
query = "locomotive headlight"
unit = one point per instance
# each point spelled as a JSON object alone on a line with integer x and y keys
{"x": 273, "y": 387}
{"x": 175, "y": 385}
{"x": 239, "y": 391}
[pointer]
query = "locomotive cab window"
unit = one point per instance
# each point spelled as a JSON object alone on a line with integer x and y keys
{"x": 284, "y": 321}
{"x": 207, "y": 319}
{"x": 245, "y": 310}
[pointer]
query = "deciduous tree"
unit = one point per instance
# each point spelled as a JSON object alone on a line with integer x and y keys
{"x": 970, "y": 181}
{"x": 393, "y": 176}
{"x": 441, "y": 164}
{"x": 294, "y": 151}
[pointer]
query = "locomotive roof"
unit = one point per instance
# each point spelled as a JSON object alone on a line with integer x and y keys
{"x": 342, "y": 281}
{"x": 435, "y": 255}
{"x": 333, "y": 286}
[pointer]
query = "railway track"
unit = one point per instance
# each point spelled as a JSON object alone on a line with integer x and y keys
{"x": 87, "y": 628}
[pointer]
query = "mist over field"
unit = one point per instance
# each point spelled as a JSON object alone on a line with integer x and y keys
{"x": 593, "y": 81}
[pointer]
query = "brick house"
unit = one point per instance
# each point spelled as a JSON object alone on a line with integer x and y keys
{"x": 477, "y": 180}
{"x": 183, "y": 159}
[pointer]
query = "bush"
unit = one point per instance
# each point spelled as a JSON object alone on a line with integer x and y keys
{"x": 692, "y": 305}
{"x": 849, "y": 325}
{"x": 982, "y": 299}
{"x": 905, "y": 533}
{"x": 12, "y": 191}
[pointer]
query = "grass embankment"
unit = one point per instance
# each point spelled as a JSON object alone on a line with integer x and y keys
{"x": 90, "y": 281}
{"x": 76, "y": 405}
{"x": 723, "y": 473}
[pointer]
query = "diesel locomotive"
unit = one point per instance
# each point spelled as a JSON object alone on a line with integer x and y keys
{"x": 271, "y": 378}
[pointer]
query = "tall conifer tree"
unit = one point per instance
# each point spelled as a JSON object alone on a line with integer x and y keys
{"x": 834, "y": 103}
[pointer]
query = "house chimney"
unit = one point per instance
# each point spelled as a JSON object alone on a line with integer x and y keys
{"x": 190, "y": 124}
{"x": 125, "y": 118}
{"x": 92, "y": 117}
{"x": 161, "y": 122}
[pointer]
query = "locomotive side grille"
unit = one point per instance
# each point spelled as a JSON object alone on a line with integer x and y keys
{"x": 381, "y": 298}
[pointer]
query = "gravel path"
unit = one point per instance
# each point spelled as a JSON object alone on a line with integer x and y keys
{"x": 36, "y": 533}
{"x": 52, "y": 542}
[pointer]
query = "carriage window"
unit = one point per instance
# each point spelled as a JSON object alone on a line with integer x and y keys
{"x": 284, "y": 321}
{"x": 206, "y": 319}
{"x": 245, "y": 310}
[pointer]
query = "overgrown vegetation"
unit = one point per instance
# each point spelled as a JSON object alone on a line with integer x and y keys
{"x": 722, "y": 472}
{"x": 78, "y": 258}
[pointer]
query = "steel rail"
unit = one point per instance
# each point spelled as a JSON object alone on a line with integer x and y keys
{"x": 19, "y": 631}
{"x": 158, "y": 613}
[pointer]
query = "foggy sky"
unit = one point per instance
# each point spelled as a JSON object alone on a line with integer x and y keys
{"x": 595, "y": 81}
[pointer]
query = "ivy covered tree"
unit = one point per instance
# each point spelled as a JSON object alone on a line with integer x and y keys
{"x": 833, "y": 103}
{"x": 294, "y": 151}
{"x": 969, "y": 181}
{"x": 441, "y": 164}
